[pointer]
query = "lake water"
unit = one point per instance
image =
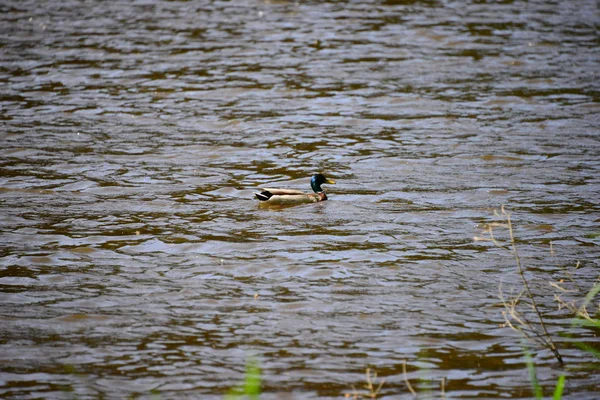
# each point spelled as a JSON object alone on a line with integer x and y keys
{"x": 134, "y": 260}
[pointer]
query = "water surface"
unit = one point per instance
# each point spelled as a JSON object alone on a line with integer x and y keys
{"x": 134, "y": 259}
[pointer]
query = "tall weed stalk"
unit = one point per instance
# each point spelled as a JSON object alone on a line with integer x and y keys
{"x": 534, "y": 332}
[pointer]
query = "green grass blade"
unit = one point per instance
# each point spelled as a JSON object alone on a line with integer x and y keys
{"x": 252, "y": 380}
{"x": 587, "y": 348}
{"x": 250, "y": 389}
{"x": 537, "y": 389}
{"x": 593, "y": 323}
{"x": 592, "y": 293}
{"x": 560, "y": 386}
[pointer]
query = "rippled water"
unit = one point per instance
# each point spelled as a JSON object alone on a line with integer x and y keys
{"x": 134, "y": 259}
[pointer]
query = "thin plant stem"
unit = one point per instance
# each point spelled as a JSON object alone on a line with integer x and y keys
{"x": 406, "y": 379}
{"x": 443, "y": 388}
{"x": 548, "y": 338}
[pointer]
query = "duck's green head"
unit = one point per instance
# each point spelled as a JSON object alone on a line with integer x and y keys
{"x": 317, "y": 180}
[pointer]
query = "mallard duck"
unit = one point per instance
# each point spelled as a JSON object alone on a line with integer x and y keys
{"x": 291, "y": 197}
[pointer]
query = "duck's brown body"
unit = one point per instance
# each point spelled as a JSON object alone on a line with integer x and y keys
{"x": 294, "y": 197}
{"x": 287, "y": 196}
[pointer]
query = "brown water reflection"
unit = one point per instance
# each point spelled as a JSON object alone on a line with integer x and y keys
{"x": 134, "y": 134}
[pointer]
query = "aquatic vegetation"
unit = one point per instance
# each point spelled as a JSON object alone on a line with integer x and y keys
{"x": 371, "y": 388}
{"x": 535, "y": 384}
{"x": 582, "y": 316}
{"x": 518, "y": 312}
{"x": 581, "y": 312}
{"x": 250, "y": 389}
{"x": 515, "y": 316}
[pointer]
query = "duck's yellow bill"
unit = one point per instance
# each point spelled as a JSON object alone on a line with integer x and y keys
{"x": 330, "y": 181}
